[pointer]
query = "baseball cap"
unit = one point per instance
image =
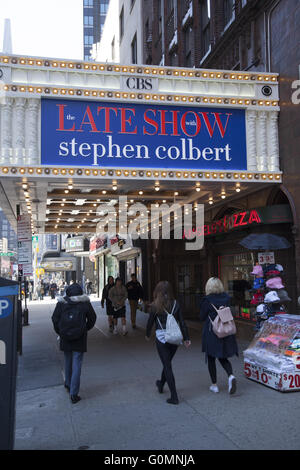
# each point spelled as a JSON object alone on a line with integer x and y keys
{"x": 271, "y": 296}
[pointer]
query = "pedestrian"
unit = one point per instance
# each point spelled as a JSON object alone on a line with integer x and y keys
{"x": 73, "y": 317}
{"x": 30, "y": 290}
{"x": 135, "y": 293}
{"x": 109, "y": 307}
{"x": 53, "y": 289}
{"x": 214, "y": 347}
{"x": 163, "y": 304}
{"x": 118, "y": 295}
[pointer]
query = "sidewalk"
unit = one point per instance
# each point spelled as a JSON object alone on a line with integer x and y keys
{"x": 120, "y": 407}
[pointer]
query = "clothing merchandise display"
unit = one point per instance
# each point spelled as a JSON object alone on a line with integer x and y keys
{"x": 271, "y": 296}
{"x": 257, "y": 270}
{"x": 283, "y": 295}
{"x": 258, "y": 283}
{"x": 274, "y": 283}
{"x": 268, "y": 293}
{"x": 272, "y": 357}
{"x": 257, "y": 298}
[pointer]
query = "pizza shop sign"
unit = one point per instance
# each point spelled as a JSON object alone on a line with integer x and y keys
{"x": 227, "y": 223}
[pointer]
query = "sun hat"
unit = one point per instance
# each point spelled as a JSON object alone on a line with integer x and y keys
{"x": 260, "y": 308}
{"x": 278, "y": 267}
{"x": 257, "y": 270}
{"x": 271, "y": 297}
{"x": 275, "y": 283}
{"x": 283, "y": 295}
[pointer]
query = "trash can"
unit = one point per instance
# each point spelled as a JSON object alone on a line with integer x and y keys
{"x": 9, "y": 325}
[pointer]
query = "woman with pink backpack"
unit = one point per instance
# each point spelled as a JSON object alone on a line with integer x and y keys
{"x": 213, "y": 344}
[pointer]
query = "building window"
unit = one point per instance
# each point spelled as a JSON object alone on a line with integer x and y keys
{"x": 205, "y": 26}
{"x": 228, "y": 11}
{"x": 88, "y": 40}
{"x": 188, "y": 39}
{"x": 121, "y": 21}
{"x": 88, "y": 20}
{"x": 134, "y": 50}
{"x": 103, "y": 8}
{"x": 88, "y": 3}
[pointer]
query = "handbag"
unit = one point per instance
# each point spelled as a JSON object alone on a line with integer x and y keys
{"x": 172, "y": 333}
{"x": 223, "y": 325}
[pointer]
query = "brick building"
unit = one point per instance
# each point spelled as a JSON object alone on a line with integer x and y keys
{"x": 250, "y": 35}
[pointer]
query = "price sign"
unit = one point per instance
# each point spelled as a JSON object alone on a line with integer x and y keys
{"x": 266, "y": 258}
{"x": 284, "y": 382}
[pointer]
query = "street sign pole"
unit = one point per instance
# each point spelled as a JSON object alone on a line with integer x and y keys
{"x": 21, "y": 278}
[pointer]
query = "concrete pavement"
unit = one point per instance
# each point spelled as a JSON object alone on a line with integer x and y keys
{"x": 120, "y": 407}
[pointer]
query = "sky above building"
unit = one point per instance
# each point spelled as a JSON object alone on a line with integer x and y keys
{"x": 44, "y": 28}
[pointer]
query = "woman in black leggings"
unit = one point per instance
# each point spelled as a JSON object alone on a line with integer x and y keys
{"x": 213, "y": 346}
{"x": 163, "y": 304}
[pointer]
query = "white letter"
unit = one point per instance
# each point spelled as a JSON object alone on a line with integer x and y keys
{"x": 191, "y": 150}
{"x": 96, "y": 155}
{"x": 208, "y": 151}
{"x": 64, "y": 146}
{"x": 227, "y": 150}
{"x": 83, "y": 147}
{"x": 157, "y": 152}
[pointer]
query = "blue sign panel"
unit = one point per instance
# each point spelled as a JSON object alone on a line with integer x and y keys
{"x": 129, "y": 135}
{"x": 6, "y": 307}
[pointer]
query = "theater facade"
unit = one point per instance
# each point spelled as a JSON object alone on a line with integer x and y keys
{"x": 75, "y": 135}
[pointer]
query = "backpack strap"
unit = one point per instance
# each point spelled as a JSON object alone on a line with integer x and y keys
{"x": 173, "y": 308}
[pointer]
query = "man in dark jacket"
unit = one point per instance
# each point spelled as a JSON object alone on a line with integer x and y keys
{"x": 135, "y": 292}
{"x": 76, "y": 304}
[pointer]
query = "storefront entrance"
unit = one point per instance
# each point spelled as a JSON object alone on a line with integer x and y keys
{"x": 189, "y": 287}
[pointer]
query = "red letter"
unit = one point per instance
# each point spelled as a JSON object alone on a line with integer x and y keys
{"x": 124, "y": 120}
{"x": 163, "y": 122}
{"x": 151, "y": 122}
{"x": 62, "y": 119}
{"x": 210, "y": 129}
{"x": 183, "y": 123}
{"x": 242, "y": 214}
{"x": 254, "y": 217}
{"x": 90, "y": 122}
{"x": 107, "y": 116}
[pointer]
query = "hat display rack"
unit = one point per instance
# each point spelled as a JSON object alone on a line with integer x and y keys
{"x": 268, "y": 292}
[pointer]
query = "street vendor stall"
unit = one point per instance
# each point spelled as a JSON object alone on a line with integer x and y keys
{"x": 273, "y": 357}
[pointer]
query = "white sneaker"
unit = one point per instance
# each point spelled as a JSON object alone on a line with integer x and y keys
{"x": 125, "y": 332}
{"x": 115, "y": 331}
{"x": 231, "y": 384}
{"x": 214, "y": 388}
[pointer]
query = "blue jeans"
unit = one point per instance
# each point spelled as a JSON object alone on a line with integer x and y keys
{"x": 73, "y": 362}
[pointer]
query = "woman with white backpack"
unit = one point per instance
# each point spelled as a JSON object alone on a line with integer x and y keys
{"x": 218, "y": 334}
{"x": 171, "y": 331}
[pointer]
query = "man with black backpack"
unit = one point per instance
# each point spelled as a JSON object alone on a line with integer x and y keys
{"x": 72, "y": 318}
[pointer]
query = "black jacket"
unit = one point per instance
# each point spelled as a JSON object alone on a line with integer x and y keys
{"x": 80, "y": 344}
{"x": 211, "y": 344}
{"x": 135, "y": 290}
{"x": 105, "y": 292}
{"x": 163, "y": 320}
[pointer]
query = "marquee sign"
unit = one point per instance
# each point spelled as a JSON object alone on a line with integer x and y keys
{"x": 129, "y": 135}
{"x": 248, "y": 218}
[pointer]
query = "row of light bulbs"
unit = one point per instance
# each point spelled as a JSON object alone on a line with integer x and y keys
{"x": 147, "y": 70}
{"x": 147, "y": 96}
{"x": 150, "y": 174}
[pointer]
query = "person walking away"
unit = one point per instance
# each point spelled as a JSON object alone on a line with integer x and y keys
{"x": 109, "y": 307}
{"x": 53, "y": 289}
{"x": 73, "y": 317}
{"x": 214, "y": 347}
{"x": 135, "y": 292}
{"x": 163, "y": 304}
{"x": 118, "y": 295}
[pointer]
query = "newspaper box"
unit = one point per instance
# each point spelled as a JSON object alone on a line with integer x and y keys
{"x": 273, "y": 357}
